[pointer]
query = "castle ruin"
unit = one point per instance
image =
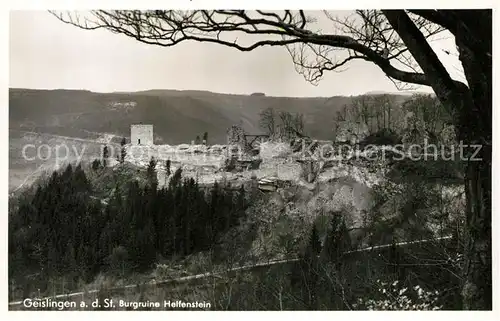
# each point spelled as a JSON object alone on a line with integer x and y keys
{"x": 141, "y": 134}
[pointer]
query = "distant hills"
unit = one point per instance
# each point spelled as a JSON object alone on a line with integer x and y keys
{"x": 399, "y": 93}
{"x": 177, "y": 116}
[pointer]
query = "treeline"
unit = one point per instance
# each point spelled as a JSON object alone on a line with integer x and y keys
{"x": 282, "y": 124}
{"x": 383, "y": 119}
{"x": 64, "y": 231}
{"x": 330, "y": 276}
{"x": 378, "y": 119}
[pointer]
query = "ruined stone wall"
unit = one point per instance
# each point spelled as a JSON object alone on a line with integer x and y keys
{"x": 236, "y": 136}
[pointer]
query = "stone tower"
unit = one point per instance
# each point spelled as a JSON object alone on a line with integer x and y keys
{"x": 141, "y": 134}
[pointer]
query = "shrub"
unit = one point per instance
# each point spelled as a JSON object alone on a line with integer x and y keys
{"x": 394, "y": 297}
{"x": 382, "y": 137}
{"x": 96, "y": 164}
{"x": 230, "y": 164}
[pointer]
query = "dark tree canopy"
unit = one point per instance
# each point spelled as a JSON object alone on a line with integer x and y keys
{"x": 63, "y": 230}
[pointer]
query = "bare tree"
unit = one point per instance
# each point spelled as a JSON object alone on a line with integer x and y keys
{"x": 291, "y": 125}
{"x": 387, "y": 110}
{"x": 286, "y": 124}
{"x": 340, "y": 117}
{"x": 268, "y": 120}
{"x": 430, "y": 112}
{"x": 298, "y": 123}
{"x": 397, "y": 41}
{"x": 363, "y": 110}
{"x": 374, "y": 111}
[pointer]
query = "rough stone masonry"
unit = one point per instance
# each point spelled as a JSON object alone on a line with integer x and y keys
{"x": 141, "y": 134}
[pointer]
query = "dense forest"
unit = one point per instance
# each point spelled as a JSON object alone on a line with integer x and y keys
{"x": 62, "y": 230}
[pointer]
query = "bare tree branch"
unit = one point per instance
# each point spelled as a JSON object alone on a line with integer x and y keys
{"x": 168, "y": 28}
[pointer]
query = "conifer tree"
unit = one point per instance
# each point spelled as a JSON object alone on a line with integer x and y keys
{"x": 168, "y": 167}
{"x": 337, "y": 239}
{"x": 314, "y": 246}
{"x": 151, "y": 173}
{"x": 72, "y": 235}
{"x": 96, "y": 164}
{"x": 105, "y": 156}
{"x": 123, "y": 150}
{"x": 308, "y": 270}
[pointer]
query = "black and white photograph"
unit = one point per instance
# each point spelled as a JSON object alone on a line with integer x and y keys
{"x": 250, "y": 160}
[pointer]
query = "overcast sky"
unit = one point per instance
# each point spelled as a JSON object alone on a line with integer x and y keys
{"x": 48, "y": 54}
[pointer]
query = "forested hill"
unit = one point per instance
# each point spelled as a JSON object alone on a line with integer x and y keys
{"x": 178, "y": 116}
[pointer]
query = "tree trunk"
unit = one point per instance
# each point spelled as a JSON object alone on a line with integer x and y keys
{"x": 477, "y": 289}
{"x": 473, "y": 132}
{"x": 476, "y": 128}
{"x": 470, "y": 107}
